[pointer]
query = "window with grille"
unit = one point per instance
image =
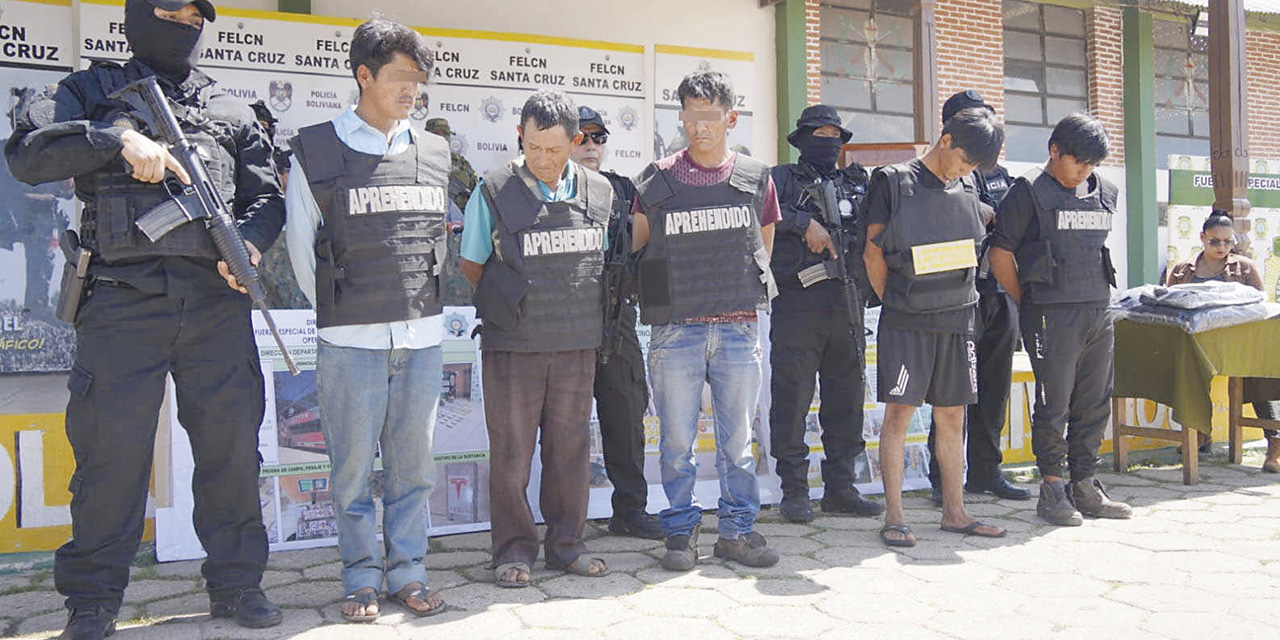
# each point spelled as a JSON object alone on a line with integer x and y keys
{"x": 867, "y": 70}
{"x": 1181, "y": 91}
{"x": 1045, "y": 74}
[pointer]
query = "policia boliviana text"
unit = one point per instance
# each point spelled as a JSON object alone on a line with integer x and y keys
{"x": 152, "y": 309}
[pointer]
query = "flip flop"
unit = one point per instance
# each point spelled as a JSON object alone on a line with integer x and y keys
{"x": 580, "y": 566}
{"x": 402, "y": 596}
{"x": 971, "y": 529}
{"x": 894, "y": 542}
{"x": 364, "y": 599}
{"x": 502, "y": 569}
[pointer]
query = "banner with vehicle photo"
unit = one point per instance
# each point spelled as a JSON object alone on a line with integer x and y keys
{"x": 35, "y": 51}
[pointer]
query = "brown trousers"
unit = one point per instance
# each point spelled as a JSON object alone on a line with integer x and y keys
{"x": 522, "y": 392}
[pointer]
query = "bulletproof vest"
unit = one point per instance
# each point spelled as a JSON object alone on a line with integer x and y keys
{"x": 382, "y": 242}
{"x": 705, "y": 254}
{"x": 930, "y": 245}
{"x": 790, "y": 253}
{"x": 624, "y": 195}
{"x": 1069, "y": 262}
{"x": 119, "y": 200}
{"x": 993, "y": 185}
{"x": 558, "y": 250}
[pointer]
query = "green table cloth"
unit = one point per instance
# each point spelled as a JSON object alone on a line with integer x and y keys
{"x": 1175, "y": 368}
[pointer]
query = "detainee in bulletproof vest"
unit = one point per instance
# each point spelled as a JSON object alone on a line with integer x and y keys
{"x": 930, "y": 245}
{"x": 542, "y": 288}
{"x": 108, "y": 221}
{"x": 1069, "y": 262}
{"x": 382, "y": 242}
{"x": 705, "y": 255}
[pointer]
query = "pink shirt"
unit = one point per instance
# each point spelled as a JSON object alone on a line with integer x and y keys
{"x": 684, "y": 169}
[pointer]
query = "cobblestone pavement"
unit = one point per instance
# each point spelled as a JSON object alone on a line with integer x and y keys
{"x": 1195, "y": 562}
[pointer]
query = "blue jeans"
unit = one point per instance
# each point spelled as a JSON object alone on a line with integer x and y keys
{"x": 682, "y": 356}
{"x": 367, "y": 397}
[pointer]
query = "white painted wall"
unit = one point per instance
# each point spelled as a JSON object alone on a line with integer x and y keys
{"x": 738, "y": 25}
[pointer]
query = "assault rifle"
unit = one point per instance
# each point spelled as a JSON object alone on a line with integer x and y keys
{"x": 617, "y": 267}
{"x": 823, "y": 194}
{"x": 197, "y": 201}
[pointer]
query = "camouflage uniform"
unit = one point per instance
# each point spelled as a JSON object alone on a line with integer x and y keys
{"x": 462, "y": 178}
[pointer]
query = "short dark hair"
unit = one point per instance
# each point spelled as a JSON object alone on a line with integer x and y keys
{"x": 1219, "y": 218}
{"x": 976, "y": 132}
{"x": 711, "y": 86}
{"x": 548, "y": 108}
{"x": 378, "y": 40}
{"x": 1082, "y": 137}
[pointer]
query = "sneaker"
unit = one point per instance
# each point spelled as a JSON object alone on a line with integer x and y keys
{"x": 249, "y": 606}
{"x": 1092, "y": 500}
{"x": 848, "y": 501}
{"x": 750, "y": 550}
{"x": 636, "y": 525}
{"x": 796, "y": 508}
{"x": 682, "y": 551}
{"x": 89, "y": 623}
{"x": 1055, "y": 505}
{"x": 996, "y": 484}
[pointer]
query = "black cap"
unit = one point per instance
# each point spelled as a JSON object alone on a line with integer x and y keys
{"x": 205, "y": 7}
{"x": 261, "y": 111}
{"x": 587, "y": 115}
{"x": 964, "y": 100}
{"x": 818, "y": 115}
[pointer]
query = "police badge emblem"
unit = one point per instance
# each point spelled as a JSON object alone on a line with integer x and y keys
{"x": 281, "y": 92}
{"x": 628, "y": 118}
{"x": 456, "y": 325}
{"x": 491, "y": 108}
{"x": 458, "y": 144}
{"x": 420, "y": 106}
{"x": 1184, "y": 226}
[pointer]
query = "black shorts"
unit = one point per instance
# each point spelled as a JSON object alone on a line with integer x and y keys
{"x": 915, "y": 367}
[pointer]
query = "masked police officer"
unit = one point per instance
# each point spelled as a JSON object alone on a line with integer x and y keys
{"x": 533, "y": 246}
{"x": 620, "y": 389}
{"x": 817, "y": 326}
{"x": 997, "y": 335}
{"x": 921, "y": 257}
{"x": 155, "y": 309}
{"x": 1054, "y": 222}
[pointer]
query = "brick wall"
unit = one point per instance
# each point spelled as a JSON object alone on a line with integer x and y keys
{"x": 1103, "y": 27}
{"x": 970, "y": 50}
{"x": 813, "y": 50}
{"x": 1263, "y": 51}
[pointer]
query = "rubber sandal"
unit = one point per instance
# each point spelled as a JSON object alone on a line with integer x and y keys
{"x": 364, "y": 599}
{"x": 502, "y": 569}
{"x": 972, "y": 530}
{"x": 894, "y": 542}
{"x": 402, "y": 596}
{"x": 580, "y": 566}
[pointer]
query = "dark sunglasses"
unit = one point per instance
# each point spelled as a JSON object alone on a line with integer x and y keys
{"x": 598, "y": 137}
{"x": 1218, "y": 242}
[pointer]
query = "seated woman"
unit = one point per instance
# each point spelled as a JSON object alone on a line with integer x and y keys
{"x": 1217, "y": 262}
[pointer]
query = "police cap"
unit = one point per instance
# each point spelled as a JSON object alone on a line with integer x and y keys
{"x": 818, "y": 115}
{"x": 964, "y": 100}
{"x": 205, "y": 7}
{"x": 438, "y": 126}
{"x": 587, "y": 115}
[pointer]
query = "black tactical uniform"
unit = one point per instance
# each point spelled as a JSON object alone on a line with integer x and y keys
{"x": 1057, "y": 236}
{"x": 152, "y": 310}
{"x": 996, "y": 327}
{"x": 812, "y": 332}
{"x": 620, "y": 389}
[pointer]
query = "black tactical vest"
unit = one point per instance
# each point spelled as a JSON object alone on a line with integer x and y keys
{"x": 557, "y": 248}
{"x": 120, "y": 200}
{"x": 1069, "y": 262}
{"x": 382, "y": 241}
{"x": 705, "y": 254}
{"x": 922, "y": 218}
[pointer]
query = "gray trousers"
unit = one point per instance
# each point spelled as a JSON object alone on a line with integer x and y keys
{"x": 1072, "y": 351}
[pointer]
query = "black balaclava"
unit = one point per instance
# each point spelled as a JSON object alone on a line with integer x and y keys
{"x": 171, "y": 48}
{"x": 818, "y": 152}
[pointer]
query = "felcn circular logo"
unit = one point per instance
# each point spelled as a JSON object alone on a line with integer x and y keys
{"x": 458, "y": 144}
{"x": 628, "y": 118}
{"x": 491, "y": 108}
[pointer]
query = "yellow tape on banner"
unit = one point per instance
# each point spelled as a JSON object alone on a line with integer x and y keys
{"x": 745, "y": 56}
{"x": 944, "y": 256}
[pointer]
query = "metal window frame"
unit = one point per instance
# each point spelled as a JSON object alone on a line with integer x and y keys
{"x": 1046, "y": 66}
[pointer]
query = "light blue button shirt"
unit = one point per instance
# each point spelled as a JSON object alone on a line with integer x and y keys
{"x": 303, "y": 219}
{"x": 477, "y": 227}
